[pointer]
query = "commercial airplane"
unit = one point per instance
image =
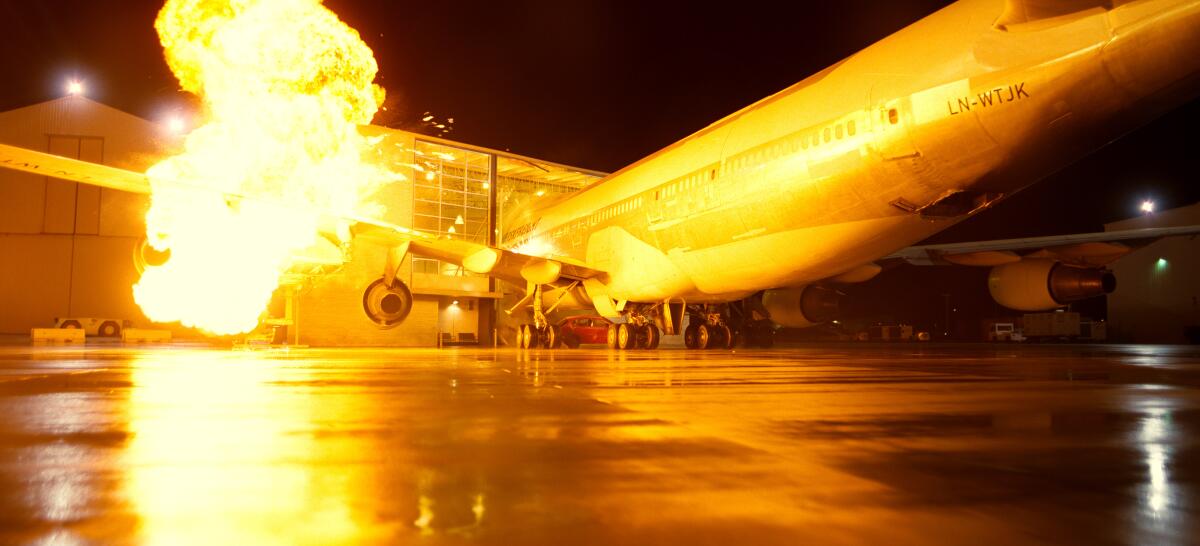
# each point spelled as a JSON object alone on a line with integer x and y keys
{"x": 752, "y": 222}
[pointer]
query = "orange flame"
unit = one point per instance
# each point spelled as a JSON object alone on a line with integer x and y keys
{"x": 285, "y": 85}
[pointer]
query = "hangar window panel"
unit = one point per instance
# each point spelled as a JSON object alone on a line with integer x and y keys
{"x": 450, "y": 199}
{"x": 425, "y": 265}
{"x": 425, "y": 223}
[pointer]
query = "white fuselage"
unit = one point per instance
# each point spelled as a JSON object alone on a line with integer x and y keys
{"x": 886, "y": 148}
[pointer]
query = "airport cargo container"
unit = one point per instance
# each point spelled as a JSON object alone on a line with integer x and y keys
{"x": 1051, "y": 325}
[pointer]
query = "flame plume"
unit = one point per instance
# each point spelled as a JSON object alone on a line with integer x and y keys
{"x": 285, "y": 85}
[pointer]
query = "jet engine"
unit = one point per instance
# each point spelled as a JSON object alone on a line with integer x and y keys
{"x": 387, "y": 305}
{"x": 1044, "y": 284}
{"x": 145, "y": 256}
{"x": 802, "y": 306}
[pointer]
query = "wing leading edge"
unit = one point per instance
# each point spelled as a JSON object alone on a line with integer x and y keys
{"x": 95, "y": 174}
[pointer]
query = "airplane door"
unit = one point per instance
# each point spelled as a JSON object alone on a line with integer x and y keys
{"x": 899, "y": 163}
{"x": 891, "y": 120}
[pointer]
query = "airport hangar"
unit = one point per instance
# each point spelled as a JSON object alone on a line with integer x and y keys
{"x": 72, "y": 250}
{"x": 1158, "y": 286}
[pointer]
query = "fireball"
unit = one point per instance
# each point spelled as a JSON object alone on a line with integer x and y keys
{"x": 285, "y": 84}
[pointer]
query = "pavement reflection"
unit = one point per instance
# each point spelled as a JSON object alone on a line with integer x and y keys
{"x": 836, "y": 444}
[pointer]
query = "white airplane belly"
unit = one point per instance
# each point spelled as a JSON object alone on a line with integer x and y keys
{"x": 799, "y": 256}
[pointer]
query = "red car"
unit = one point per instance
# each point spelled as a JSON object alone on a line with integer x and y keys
{"x": 583, "y": 329}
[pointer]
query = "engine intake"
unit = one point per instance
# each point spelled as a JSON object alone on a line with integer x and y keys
{"x": 1044, "y": 284}
{"x": 387, "y": 305}
{"x": 803, "y": 306}
{"x": 145, "y": 256}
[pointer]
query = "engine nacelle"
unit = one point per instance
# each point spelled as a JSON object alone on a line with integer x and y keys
{"x": 387, "y": 305}
{"x": 1043, "y": 284}
{"x": 145, "y": 256}
{"x": 803, "y": 306}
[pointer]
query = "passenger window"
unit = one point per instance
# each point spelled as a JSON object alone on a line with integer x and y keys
{"x": 850, "y": 127}
{"x": 827, "y": 133}
{"x": 839, "y": 132}
{"x": 893, "y": 116}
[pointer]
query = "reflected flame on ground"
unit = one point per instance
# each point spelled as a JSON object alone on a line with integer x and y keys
{"x": 216, "y": 437}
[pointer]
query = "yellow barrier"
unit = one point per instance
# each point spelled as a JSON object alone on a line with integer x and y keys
{"x": 56, "y": 335}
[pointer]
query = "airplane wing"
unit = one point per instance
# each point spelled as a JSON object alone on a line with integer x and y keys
{"x": 29, "y": 161}
{"x": 1084, "y": 249}
{"x": 478, "y": 258}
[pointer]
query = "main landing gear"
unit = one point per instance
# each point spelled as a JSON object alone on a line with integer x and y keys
{"x": 708, "y": 336}
{"x": 710, "y": 326}
{"x": 530, "y": 336}
{"x": 541, "y": 333}
{"x": 726, "y": 326}
{"x": 633, "y": 336}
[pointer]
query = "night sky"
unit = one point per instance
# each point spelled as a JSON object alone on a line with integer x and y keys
{"x": 596, "y": 84}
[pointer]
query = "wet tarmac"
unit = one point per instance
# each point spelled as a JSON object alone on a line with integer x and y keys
{"x": 817, "y": 444}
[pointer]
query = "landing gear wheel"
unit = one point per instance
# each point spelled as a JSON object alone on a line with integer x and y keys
{"x": 704, "y": 337}
{"x": 528, "y": 336}
{"x": 109, "y": 328}
{"x": 552, "y": 339}
{"x": 650, "y": 337}
{"x": 626, "y": 337}
{"x": 612, "y": 336}
{"x": 689, "y": 336}
{"x": 724, "y": 337}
